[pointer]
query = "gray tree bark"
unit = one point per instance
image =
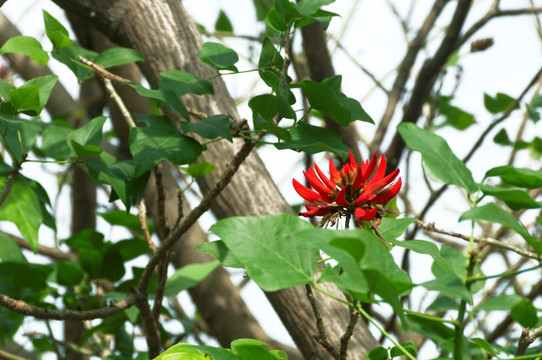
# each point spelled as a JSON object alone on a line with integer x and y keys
{"x": 164, "y": 33}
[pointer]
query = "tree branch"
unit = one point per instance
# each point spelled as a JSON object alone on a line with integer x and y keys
{"x": 527, "y": 338}
{"x": 403, "y": 72}
{"x": 26, "y": 309}
{"x": 427, "y": 77}
{"x": 487, "y": 240}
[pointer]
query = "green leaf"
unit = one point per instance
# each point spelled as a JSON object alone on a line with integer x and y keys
{"x": 87, "y": 140}
{"x": 131, "y": 248}
{"x": 196, "y": 352}
{"x": 55, "y": 31}
{"x": 423, "y": 247}
{"x": 378, "y": 353}
{"x": 188, "y": 276}
{"x": 223, "y": 22}
{"x": 443, "y": 303}
{"x": 53, "y": 141}
{"x": 410, "y": 347}
{"x": 92, "y": 261}
{"x": 526, "y": 178}
{"x": 532, "y": 113}
{"x": 502, "y": 138}
{"x": 449, "y": 284}
{"x": 501, "y": 102}
{"x": 439, "y": 162}
{"x": 492, "y": 213}
{"x": 270, "y": 249}
{"x": 113, "y": 264}
{"x": 309, "y": 7}
{"x": 118, "y": 56}
{"x": 485, "y": 345}
{"x": 265, "y": 105}
{"x": 270, "y": 66}
{"x": 502, "y": 302}
{"x": 26, "y": 45}
{"x": 26, "y": 99}
{"x": 212, "y": 127}
{"x": 161, "y": 140}
{"x": 433, "y": 329}
{"x": 9, "y": 250}
{"x": 22, "y": 207}
{"x": 262, "y": 7}
{"x": 126, "y": 186}
{"x": 337, "y": 106}
{"x": 45, "y": 85}
{"x": 367, "y": 267}
{"x": 456, "y": 117}
{"x": 525, "y": 314}
{"x": 218, "y": 56}
{"x": 86, "y": 239}
{"x": 391, "y": 229}
{"x": 199, "y": 169}
{"x": 69, "y": 56}
{"x": 25, "y": 275}
{"x": 18, "y": 136}
{"x": 248, "y": 349}
{"x": 182, "y": 83}
{"x": 262, "y": 124}
{"x": 67, "y": 273}
{"x": 313, "y": 139}
{"x": 219, "y": 250}
{"x": 516, "y": 199}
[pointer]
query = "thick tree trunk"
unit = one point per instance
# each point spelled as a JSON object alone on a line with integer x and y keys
{"x": 168, "y": 38}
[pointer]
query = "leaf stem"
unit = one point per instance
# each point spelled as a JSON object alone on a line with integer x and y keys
{"x": 383, "y": 331}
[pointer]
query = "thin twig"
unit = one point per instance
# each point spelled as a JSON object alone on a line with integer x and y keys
{"x": 4, "y": 354}
{"x": 321, "y": 338}
{"x": 490, "y": 241}
{"x": 26, "y": 309}
{"x": 163, "y": 229}
{"x": 527, "y": 338}
{"x": 108, "y": 77}
{"x": 354, "y": 316}
{"x": 142, "y": 216}
{"x": 149, "y": 325}
{"x": 160, "y": 286}
{"x": 503, "y": 117}
{"x": 118, "y": 100}
{"x": 51, "y": 252}
{"x": 12, "y": 175}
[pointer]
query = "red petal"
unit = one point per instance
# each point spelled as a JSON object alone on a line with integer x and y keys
{"x": 368, "y": 168}
{"x": 315, "y": 211}
{"x": 328, "y": 182}
{"x": 358, "y": 181}
{"x": 379, "y": 174}
{"x": 376, "y": 187}
{"x": 352, "y": 160}
{"x": 369, "y": 215}
{"x": 388, "y": 195}
{"x": 364, "y": 214}
{"x": 366, "y": 196}
{"x": 306, "y": 193}
{"x": 316, "y": 183}
{"x": 333, "y": 171}
{"x": 340, "y": 199}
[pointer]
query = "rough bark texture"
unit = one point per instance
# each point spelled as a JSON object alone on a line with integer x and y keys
{"x": 166, "y": 36}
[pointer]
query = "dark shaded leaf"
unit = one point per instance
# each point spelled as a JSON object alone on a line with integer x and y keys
{"x": 212, "y": 127}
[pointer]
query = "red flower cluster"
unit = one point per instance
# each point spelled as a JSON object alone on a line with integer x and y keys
{"x": 350, "y": 191}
